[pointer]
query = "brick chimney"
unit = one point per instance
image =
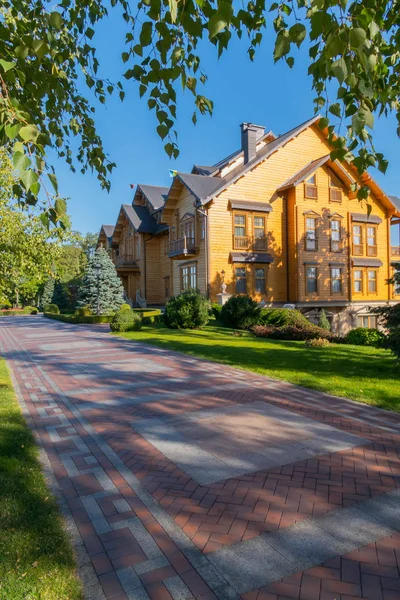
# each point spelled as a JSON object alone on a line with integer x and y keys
{"x": 250, "y": 135}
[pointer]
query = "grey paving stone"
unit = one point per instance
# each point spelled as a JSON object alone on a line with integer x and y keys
{"x": 138, "y": 594}
{"x": 150, "y": 565}
{"x": 121, "y": 505}
{"x": 211, "y": 576}
{"x": 90, "y": 460}
{"x": 250, "y": 565}
{"x": 384, "y": 509}
{"x": 353, "y": 528}
{"x": 177, "y": 588}
{"x": 128, "y": 578}
{"x": 305, "y": 545}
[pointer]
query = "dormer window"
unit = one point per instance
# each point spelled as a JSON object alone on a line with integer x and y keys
{"x": 335, "y": 190}
{"x": 310, "y": 187}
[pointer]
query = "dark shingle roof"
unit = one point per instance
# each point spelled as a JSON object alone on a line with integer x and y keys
{"x": 108, "y": 230}
{"x": 154, "y": 194}
{"x": 395, "y": 201}
{"x": 304, "y": 173}
{"x": 141, "y": 219}
{"x": 367, "y": 262}
{"x": 200, "y": 186}
{"x": 247, "y": 205}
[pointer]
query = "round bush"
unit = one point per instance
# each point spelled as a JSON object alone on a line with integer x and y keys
{"x": 125, "y": 306}
{"x": 33, "y": 310}
{"x": 282, "y": 317}
{"x": 51, "y": 308}
{"x": 189, "y": 310}
{"x": 126, "y": 320}
{"x": 240, "y": 312}
{"x": 83, "y": 311}
{"x": 363, "y": 336}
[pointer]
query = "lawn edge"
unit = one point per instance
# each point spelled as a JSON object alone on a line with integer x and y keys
{"x": 82, "y": 559}
{"x": 300, "y": 387}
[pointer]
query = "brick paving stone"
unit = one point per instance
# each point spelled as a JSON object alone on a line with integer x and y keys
{"x": 83, "y": 405}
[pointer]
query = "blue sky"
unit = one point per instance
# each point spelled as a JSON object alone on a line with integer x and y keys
{"x": 260, "y": 92}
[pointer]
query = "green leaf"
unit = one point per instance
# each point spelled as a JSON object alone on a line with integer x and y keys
{"x": 56, "y": 20}
{"x": 54, "y": 181}
{"x": 339, "y": 69}
{"x": 60, "y": 206}
{"x": 323, "y": 123}
{"x": 20, "y": 161}
{"x": 335, "y": 109}
{"x": 125, "y": 57}
{"x": 7, "y": 65}
{"x": 29, "y": 133}
{"x": 12, "y": 130}
{"x": 216, "y": 24}
{"x": 40, "y": 47}
{"x": 146, "y": 33}
{"x": 357, "y": 37}
{"x": 282, "y": 45}
{"x": 29, "y": 178}
{"x": 297, "y": 33}
{"x": 162, "y": 131}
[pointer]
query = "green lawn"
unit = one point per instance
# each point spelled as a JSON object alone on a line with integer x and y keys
{"x": 36, "y": 559}
{"x": 361, "y": 373}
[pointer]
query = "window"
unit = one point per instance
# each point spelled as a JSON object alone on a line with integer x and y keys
{"x": 311, "y": 276}
{"x": 358, "y": 281}
{"x": 202, "y": 228}
{"x": 310, "y": 188}
{"x": 357, "y": 240}
{"x": 240, "y": 237}
{"x": 240, "y": 280}
{"x": 311, "y": 233}
{"x": 367, "y": 321}
{"x": 335, "y": 192}
{"x": 396, "y": 290}
{"x": 188, "y": 277}
{"x": 371, "y": 241}
{"x": 335, "y": 236}
{"x": 137, "y": 248}
{"x": 336, "y": 280}
{"x": 259, "y": 233}
{"x": 259, "y": 276}
{"x": 187, "y": 230}
{"x": 372, "y": 279}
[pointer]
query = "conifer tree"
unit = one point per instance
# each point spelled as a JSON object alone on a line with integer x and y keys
{"x": 60, "y": 295}
{"x": 323, "y": 321}
{"x": 48, "y": 291}
{"x": 102, "y": 285}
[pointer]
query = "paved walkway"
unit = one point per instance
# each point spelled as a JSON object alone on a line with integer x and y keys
{"x": 184, "y": 479}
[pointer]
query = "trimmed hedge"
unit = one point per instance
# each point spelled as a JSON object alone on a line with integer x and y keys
{"x": 28, "y": 310}
{"x": 51, "y": 308}
{"x": 149, "y": 315}
{"x": 291, "y": 332}
{"x": 126, "y": 320}
{"x": 282, "y": 317}
{"x": 363, "y": 336}
{"x": 78, "y": 320}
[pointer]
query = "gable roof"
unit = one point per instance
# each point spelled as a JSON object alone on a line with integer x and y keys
{"x": 140, "y": 218}
{"x": 199, "y": 185}
{"x": 304, "y": 173}
{"x": 154, "y": 194}
{"x": 395, "y": 201}
{"x": 108, "y": 230}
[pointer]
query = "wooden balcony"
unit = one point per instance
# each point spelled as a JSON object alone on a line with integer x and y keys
{"x": 246, "y": 242}
{"x": 182, "y": 248}
{"x": 395, "y": 251}
{"x": 126, "y": 262}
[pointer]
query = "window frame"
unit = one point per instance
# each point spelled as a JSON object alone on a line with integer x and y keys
{"x": 340, "y": 279}
{"x": 361, "y": 244}
{"x": 315, "y": 218}
{"x": 243, "y": 214}
{"x": 311, "y": 186}
{"x": 255, "y": 279}
{"x": 375, "y": 291}
{"x": 245, "y": 277}
{"x": 188, "y": 277}
{"x": 361, "y": 270}
{"x": 263, "y": 216}
{"x": 331, "y": 230}
{"x": 375, "y": 246}
{"x": 369, "y": 317}
{"x": 307, "y": 278}
{"x": 335, "y": 185}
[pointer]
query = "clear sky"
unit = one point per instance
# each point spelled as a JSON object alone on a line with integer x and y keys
{"x": 259, "y": 92}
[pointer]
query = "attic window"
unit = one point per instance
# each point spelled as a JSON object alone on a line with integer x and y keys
{"x": 310, "y": 187}
{"x": 335, "y": 190}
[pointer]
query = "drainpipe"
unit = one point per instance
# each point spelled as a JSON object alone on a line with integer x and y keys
{"x": 206, "y": 245}
{"x": 286, "y": 201}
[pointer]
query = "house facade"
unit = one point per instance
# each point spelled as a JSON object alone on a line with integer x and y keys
{"x": 276, "y": 220}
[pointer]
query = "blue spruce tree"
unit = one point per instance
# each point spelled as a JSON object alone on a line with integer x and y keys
{"x": 101, "y": 283}
{"x": 48, "y": 291}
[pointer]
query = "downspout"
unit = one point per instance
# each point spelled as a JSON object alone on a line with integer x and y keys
{"x": 205, "y": 216}
{"x": 286, "y": 200}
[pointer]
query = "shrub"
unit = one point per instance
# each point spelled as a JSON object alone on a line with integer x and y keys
{"x": 32, "y": 310}
{"x": 291, "y": 332}
{"x": 126, "y": 320}
{"x": 215, "y": 310}
{"x": 51, "y": 308}
{"x": 390, "y": 317}
{"x": 323, "y": 321}
{"x": 317, "y": 343}
{"x": 125, "y": 306}
{"x": 281, "y": 317}
{"x": 240, "y": 312}
{"x": 90, "y": 320}
{"x": 363, "y": 336}
{"x": 189, "y": 310}
{"x": 5, "y": 305}
{"x": 83, "y": 311}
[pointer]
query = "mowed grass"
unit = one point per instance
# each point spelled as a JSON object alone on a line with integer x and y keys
{"x": 36, "y": 559}
{"x": 361, "y": 373}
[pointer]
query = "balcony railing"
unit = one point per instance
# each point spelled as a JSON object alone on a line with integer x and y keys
{"x": 246, "y": 242}
{"x": 395, "y": 251}
{"x": 184, "y": 245}
{"x": 125, "y": 260}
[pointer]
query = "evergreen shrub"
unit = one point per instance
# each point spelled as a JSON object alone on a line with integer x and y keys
{"x": 188, "y": 310}
{"x": 240, "y": 312}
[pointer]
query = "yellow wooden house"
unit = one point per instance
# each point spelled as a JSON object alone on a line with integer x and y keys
{"x": 276, "y": 220}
